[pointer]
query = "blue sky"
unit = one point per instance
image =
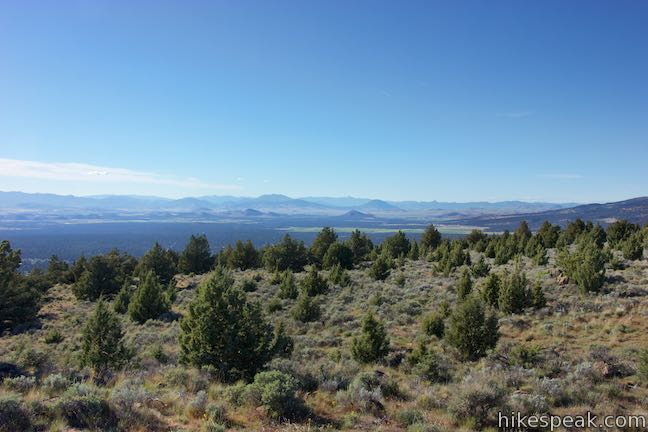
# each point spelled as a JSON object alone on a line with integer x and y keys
{"x": 454, "y": 100}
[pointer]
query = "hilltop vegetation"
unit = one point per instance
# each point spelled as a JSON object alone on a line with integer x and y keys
{"x": 343, "y": 335}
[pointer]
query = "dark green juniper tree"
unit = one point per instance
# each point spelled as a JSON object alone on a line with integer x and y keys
{"x": 471, "y": 329}
{"x": 224, "y": 330}
{"x": 196, "y": 257}
{"x": 102, "y": 346}
{"x": 373, "y": 343}
{"x": 17, "y": 303}
{"x": 149, "y": 300}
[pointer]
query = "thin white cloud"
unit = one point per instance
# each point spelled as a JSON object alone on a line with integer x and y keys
{"x": 515, "y": 114}
{"x": 562, "y": 176}
{"x": 71, "y": 171}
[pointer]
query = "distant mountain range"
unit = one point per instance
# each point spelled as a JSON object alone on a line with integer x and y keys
{"x": 12, "y": 202}
{"x": 634, "y": 210}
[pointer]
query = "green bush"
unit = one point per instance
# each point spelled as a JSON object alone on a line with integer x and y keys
{"x": 380, "y": 268}
{"x": 314, "y": 284}
{"x": 633, "y": 247}
{"x": 408, "y": 417}
{"x": 490, "y": 290}
{"x": 429, "y": 364}
{"x": 161, "y": 262}
{"x": 53, "y": 337}
{"x": 373, "y": 343}
{"x": 17, "y": 304}
{"x": 287, "y": 254}
{"x": 83, "y": 406}
{"x": 275, "y": 392}
{"x": 249, "y": 285}
{"x": 513, "y": 293}
{"x": 222, "y": 329}
{"x": 196, "y": 257}
{"x": 287, "y": 287}
{"x": 471, "y": 330}
{"x": 102, "y": 345}
{"x": 306, "y": 309}
{"x": 464, "y": 285}
{"x": 585, "y": 266}
{"x": 433, "y": 324}
{"x": 338, "y": 254}
{"x": 148, "y": 301}
{"x": 339, "y": 276}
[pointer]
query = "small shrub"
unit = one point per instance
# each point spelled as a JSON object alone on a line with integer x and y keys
{"x": 288, "y": 287}
{"x": 373, "y": 343}
{"x": 306, "y": 309}
{"x": 20, "y": 384}
{"x": 53, "y": 337}
{"x": 13, "y": 417}
{"x": 408, "y": 417}
{"x": 313, "y": 284}
{"x": 197, "y": 407}
{"x": 249, "y": 285}
{"x": 471, "y": 330}
{"x": 434, "y": 324}
{"x": 83, "y": 406}
{"x": 275, "y": 392}
{"x": 380, "y": 268}
{"x": 479, "y": 397}
{"x": 642, "y": 365}
{"x": 55, "y": 383}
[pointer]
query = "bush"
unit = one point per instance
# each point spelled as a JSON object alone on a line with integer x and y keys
{"x": 431, "y": 238}
{"x": 20, "y": 383}
{"x": 275, "y": 392}
{"x": 360, "y": 245}
{"x": 103, "y": 275}
{"x": 148, "y": 300}
{"x": 396, "y": 246}
{"x": 373, "y": 343}
{"x": 429, "y": 364}
{"x": 196, "y": 257}
{"x": 339, "y": 276}
{"x": 161, "y": 262}
{"x": 490, "y": 290}
{"x": 480, "y": 268}
{"x": 513, "y": 293}
{"x": 53, "y": 336}
{"x": 585, "y": 266}
{"x": 642, "y": 365}
{"x": 471, "y": 330}
{"x": 464, "y": 286}
{"x": 219, "y": 315}
{"x": 408, "y": 417}
{"x": 479, "y": 397}
{"x": 13, "y": 417}
{"x": 197, "y": 407}
{"x": 249, "y": 285}
{"x": 55, "y": 383}
{"x": 313, "y": 284}
{"x": 633, "y": 247}
{"x": 380, "y": 268}
{"x": 287, "y": 288}
{"x": 102, "y": 344}
{"x": 17, "y": 304}
{"x": 338, "y": 254}
{"x": 287, "y": 254}
{"x": 434, "y": 324}
{"x": 306, "y": 309}
{"x": 83, "y": 406}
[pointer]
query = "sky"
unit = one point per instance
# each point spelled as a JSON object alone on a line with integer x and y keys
{"x": 423, "y": 100}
